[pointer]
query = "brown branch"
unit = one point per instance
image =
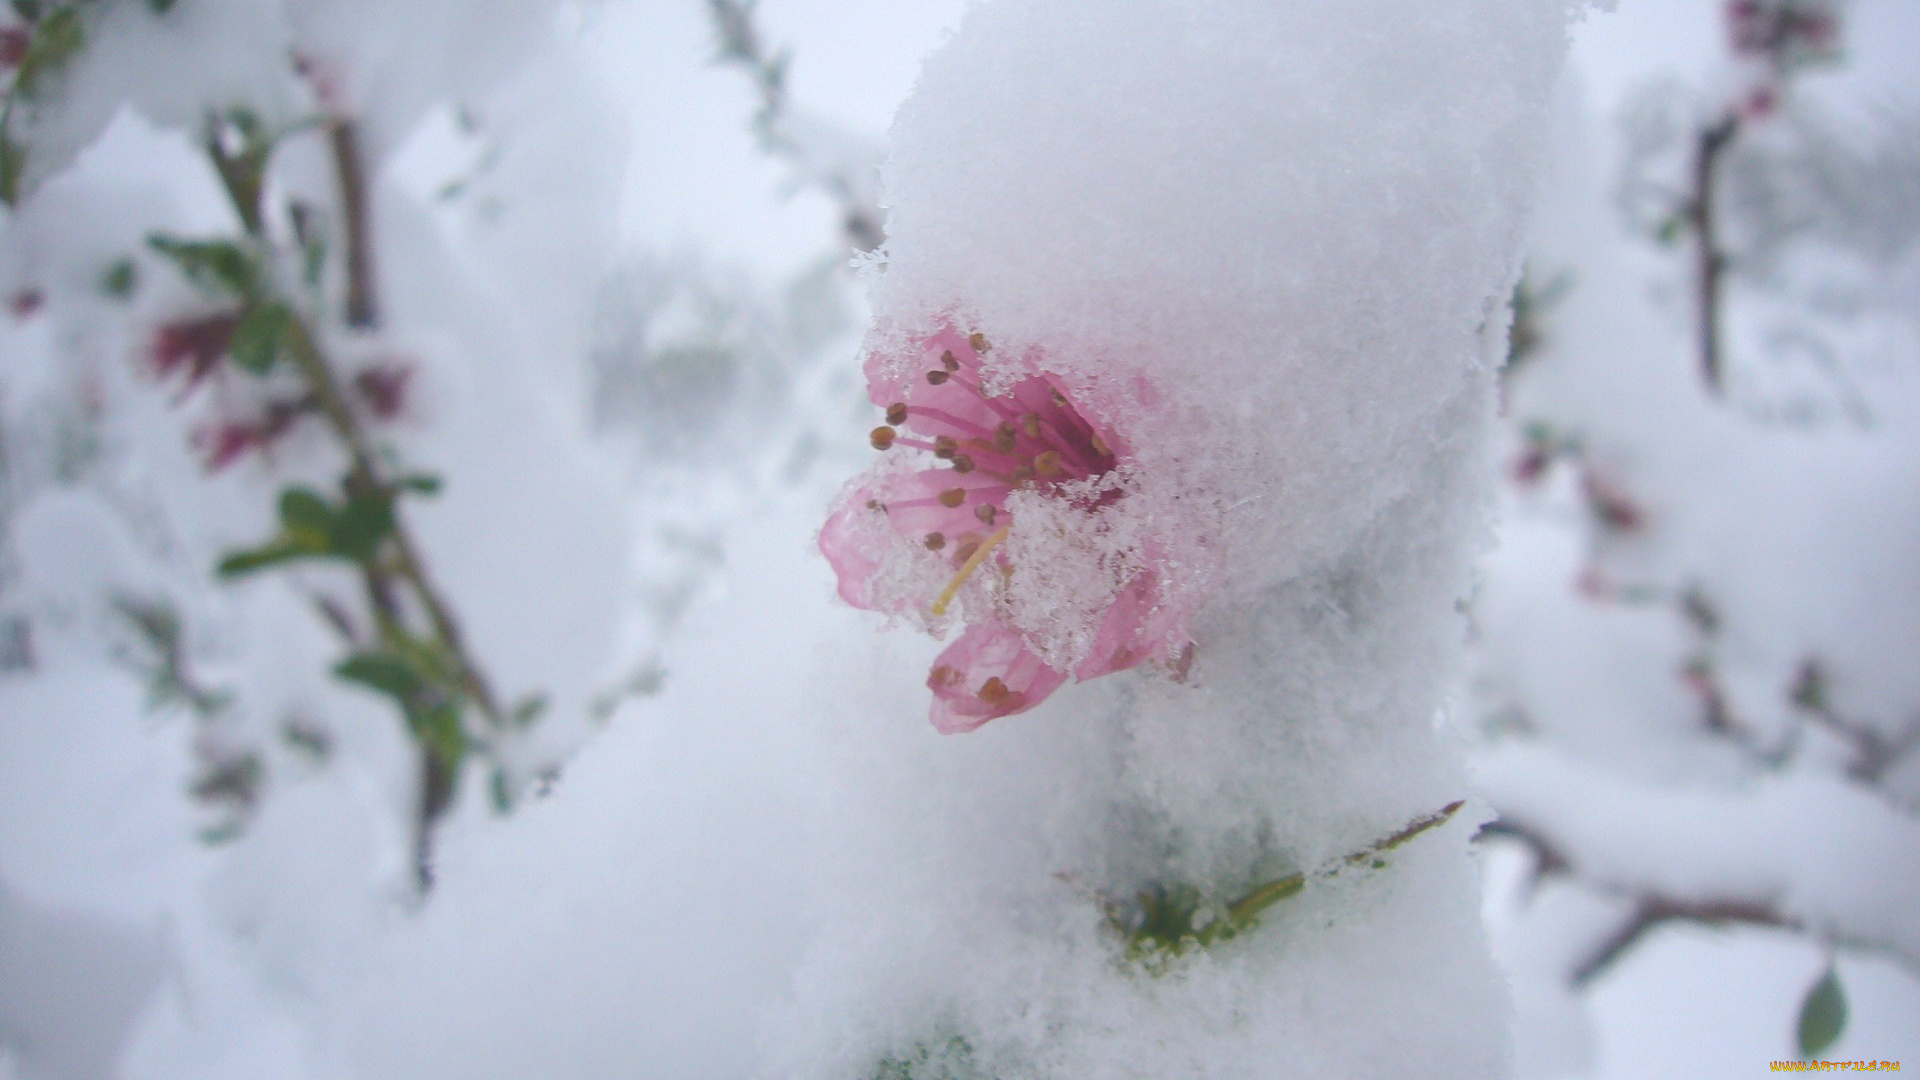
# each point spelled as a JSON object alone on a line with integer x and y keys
{"x": 405, "y": 570}
{"x": 363, "y": 478}
{"x": 1710, "y": 262}
{"x": 1874, "y": 753}
{"x": 1651, "y": 909}
{"x": 363, "y": 310}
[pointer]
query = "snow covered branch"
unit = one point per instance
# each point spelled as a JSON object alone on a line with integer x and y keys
{"x": 1791, "y": 851}
{"x": 841, "y": 165}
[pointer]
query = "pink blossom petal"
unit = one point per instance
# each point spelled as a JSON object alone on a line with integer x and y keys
{"x": 1137, "y": 628}
{"x": 915, "y": 508}
{"x": 986, "y": 674}
{"x": 851, "y": 564}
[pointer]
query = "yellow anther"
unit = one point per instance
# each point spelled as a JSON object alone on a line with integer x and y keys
{"x": 936, "y": 541}
{"x": 944, "y": 447}
{"x": 1029, "y": 423}
{"x": 1048, "y": 463}
{"x": 953, "y": 497}
{"x": 897, "y": 413}
{"x": 1003, "y": 437}
{"x": 986, "y": 512}
{"x": 937, "y": 377}
{"x": 947, "y": 361}
{"x": 978, "y": 341}
{"x": 966, "y": 570}
{"x": 881, "y": 438}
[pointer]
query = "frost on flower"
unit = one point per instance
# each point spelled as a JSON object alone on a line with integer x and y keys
{"x": 998, "y": 493}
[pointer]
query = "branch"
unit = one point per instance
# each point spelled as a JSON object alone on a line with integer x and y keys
{"x": 1694, "y": 855}
{"x": 1710, "y": 262}
{"x": 363, "y": 309}
{"x": 1874, "y": 753}
{"x": 1651, "y": 909}
{"x": 395, "y": 571}
{"x": 861, "y": 219}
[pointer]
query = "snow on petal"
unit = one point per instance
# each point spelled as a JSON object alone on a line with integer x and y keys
{"x": 984, "y": 450}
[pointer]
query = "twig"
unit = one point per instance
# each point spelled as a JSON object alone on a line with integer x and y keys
{"x": 1710, "y": 262}
{"x": 437, "y": 777}
{"x": 1653, "y": 908}
{"x": 740, "y": 45}
{"x": 1873, "y": 753}
{"x": 363, "y": 309}
{"x": 403, "y": 571}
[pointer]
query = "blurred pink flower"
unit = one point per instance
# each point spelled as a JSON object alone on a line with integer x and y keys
{"x": 197, "y": 345}
{"x": 227, "y": 441}
{"x": 984, "y": 447}
{"x": 383, "y": 387}
{"x": 14, "y": 39}
{"x": 1784, "y": 33}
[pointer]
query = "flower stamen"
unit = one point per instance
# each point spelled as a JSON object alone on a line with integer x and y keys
{"x": 966, "y": 569}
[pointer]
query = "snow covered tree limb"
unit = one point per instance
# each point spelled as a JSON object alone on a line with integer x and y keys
{"x": 843, "y": 168}
{"x": 1763, "y": 856}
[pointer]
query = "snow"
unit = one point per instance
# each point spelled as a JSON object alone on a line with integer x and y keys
{"x": 1268, "y": 246}
{"x": 1300, "y": 388}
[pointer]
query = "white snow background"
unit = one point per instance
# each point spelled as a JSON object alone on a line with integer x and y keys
{"x": 639, "y": 355}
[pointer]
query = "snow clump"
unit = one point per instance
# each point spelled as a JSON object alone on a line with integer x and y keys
{"x": 1262, "y": 252}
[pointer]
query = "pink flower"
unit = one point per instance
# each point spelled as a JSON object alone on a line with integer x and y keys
{"x": 228, "y": 441}
{"x": 383, "y": 388}
{"x": 982, "y": 449}
{"x": 198, "y": 346}
{"x": 14, "y": 39}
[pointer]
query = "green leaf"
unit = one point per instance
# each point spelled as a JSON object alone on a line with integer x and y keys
{"x": 385, "y": 672}
{"x": 501, "y": 788}
{"x": 239, "y": 144}
{"x": 438, "y": 729}
{"x": 528, "y": 711}
{"x": 272, "y": 553}
{"x": 13, "y": 162}
{"x": 313, "y": 246}
{"x": 423, "y": 483}
{"x": 304, "y": 510}
{"x": 160, "y": 7}
{"x": 1823, "y": 1015}
{"x": 56, "y": 38}
{"x": 28, "y": 10}
{"x": 260, "y": 336}
{"x": 217, "y": 265}
{"x": 307, "y": 531}
{"x": 362, "y": 525}
{"x": 119, "y": 279}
